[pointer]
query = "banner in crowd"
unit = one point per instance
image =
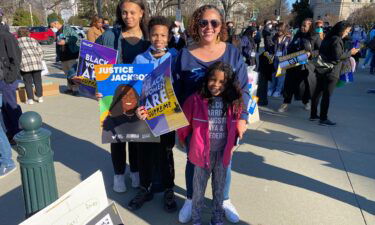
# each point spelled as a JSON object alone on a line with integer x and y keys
{"x": 292, "y": 60}
{"x": 158, "y": 97}
{"x": 91, "y": 54}
{"x": 121, "y": 87}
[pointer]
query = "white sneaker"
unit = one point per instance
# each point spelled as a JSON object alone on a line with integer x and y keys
{"x": 230, "y": 212}
{"x": 283, "y": 108}
{"x": 276, "y": 94}
{"x": 135, "y": 179}
{"x": 119, "y": 183}
{"x": 39, "y": 99}
{"x": 269, "y": 93}
{"x": 184, "y": 216}
{"x": 30, "y": 101}
{"x": 307, "y": 106}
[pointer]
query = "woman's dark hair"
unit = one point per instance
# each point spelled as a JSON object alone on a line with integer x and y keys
{"x": 338, "y": 29}
{"x": 23, "y": 32}
{"x": 143, "y": 21}
{"x": 250, "y": 31}
{"x": 194, "y": 23}
{"x": 232, "y": 95}
{"x": 116, "y": 107}
{"x": 158, "y": 20}
{"x": 94, "y": 20}
{"x": 311, "y": 30}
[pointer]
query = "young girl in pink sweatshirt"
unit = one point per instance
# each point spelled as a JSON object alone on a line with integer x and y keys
{"x": 213, "y": 113}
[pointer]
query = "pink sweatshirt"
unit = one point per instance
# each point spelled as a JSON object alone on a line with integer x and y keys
{"x": 196, "y": 111}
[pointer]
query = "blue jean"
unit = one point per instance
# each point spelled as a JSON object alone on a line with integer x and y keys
{"x": 189, "y": 175}
{"x": 5, "y": 149}
{"x": 368, "y": 58}
{"x": 277, "y": 83}
{"x": 10, "y": 110}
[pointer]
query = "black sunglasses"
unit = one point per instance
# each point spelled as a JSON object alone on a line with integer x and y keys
{"x": 204, "y": 23}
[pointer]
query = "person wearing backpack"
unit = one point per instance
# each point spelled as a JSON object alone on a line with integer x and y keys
{"x": 67, "y": 49}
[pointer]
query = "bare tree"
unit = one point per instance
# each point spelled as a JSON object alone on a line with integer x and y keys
{"x": 364, "y": 16}
{"x": 156, "y": 7}
{"x": 228, "y": 5}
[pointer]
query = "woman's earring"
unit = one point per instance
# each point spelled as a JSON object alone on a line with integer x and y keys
{"x": 218, "y": 38}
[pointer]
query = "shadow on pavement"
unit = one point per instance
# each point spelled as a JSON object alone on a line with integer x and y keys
{"x": 253, "y": 165}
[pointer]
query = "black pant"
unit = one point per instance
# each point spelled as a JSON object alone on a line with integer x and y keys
{"x": 293, "y": 80}
{"x": 118, "y": 155}
{"x": 262, "y": 89}
{"x": 33, "y": 77}
{"x": 156, "y": 162}
{"x": 10, "y": 110}
{"x": 324, "y": 88}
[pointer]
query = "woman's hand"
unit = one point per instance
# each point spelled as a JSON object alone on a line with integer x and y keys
{"x": 98, "y": 96}
{"x": 241, "y": 128}
{"x": 77, "y": 79}
{"x": 354, "y": 51}
{"x": 141, "y": 113}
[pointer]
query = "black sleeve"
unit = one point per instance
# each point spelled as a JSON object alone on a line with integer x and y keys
{"x": 14, "y": 55}
{"x": 339, "y": 53}
{"x": 316, "y": 46}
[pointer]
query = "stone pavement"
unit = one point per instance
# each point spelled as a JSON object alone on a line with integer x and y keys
{"x": 287, "y": 170}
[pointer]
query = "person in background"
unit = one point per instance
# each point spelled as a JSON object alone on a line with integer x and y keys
{"x": 248, "y": 46}
{"x": 96, "y": 29}
{"x": 369, "y": 53}
{"x": 258, "y": 38}
{"x": 67, "y": 50}
{"x": 129, "y": 38}
{"x": 319, "y": 28}
{"x": 332, "y": 51}
{"x": 177, "y": 40}
{"x": 10, "y": 55}
{"x": 267, "y": 34}
{"x": 358, "y": 37}
{"x": 105, "y": 24}
{"x": 152, "y": 155}
{"x": 308, "y": 40}
{"x": 31, "y": 65}
{"x": 281, "y": 41}
{"x": 231, "y": 31}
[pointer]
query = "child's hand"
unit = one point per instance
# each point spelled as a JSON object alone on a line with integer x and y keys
{"x": 141, "y": 113}
{"x": 98, "y": 96}
{"x": 241, "y": 128}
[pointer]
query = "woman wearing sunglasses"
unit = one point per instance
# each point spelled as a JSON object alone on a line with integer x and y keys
{"x": 209, "y": 32}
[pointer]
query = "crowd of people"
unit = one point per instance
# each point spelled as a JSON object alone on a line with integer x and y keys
{"x": 210, "y": 65}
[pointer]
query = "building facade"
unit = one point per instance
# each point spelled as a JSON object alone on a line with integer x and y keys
{"x": 336, "y": 10}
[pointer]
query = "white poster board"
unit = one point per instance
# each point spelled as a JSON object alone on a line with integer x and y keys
{"x": 76, "y": 207}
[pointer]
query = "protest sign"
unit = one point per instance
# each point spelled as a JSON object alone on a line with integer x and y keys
{"x": 347, "y": 71}
{"x": 91, "y": 54}
{"x": 109, "y": 216}
{"x": 290, "y": 61}
{"x": 121, "y": 87}
{"x": 158, "y": 97}
{"x": 77, "y": 206}
{"x": 253, "y": 87}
